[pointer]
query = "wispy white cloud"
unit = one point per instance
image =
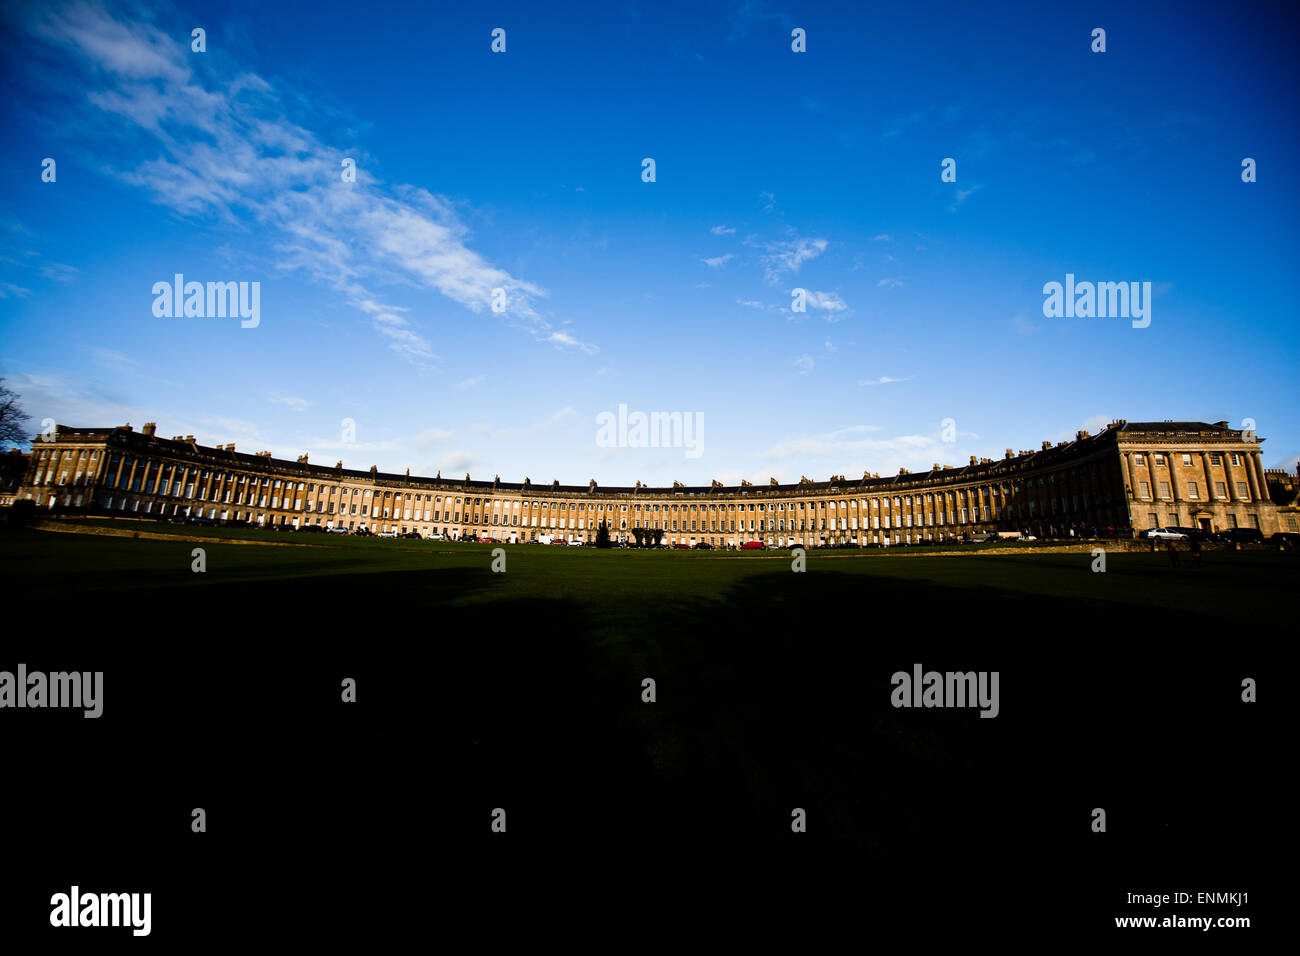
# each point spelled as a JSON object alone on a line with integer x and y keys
{"x": 229, "y": 151}
{"x": 858, "y": 448}
{"x": 717, "y": 262}
{"x": 804, "y": 363}
{"x": 836, "y": 309}
{"x": 59, "y": 271}
{"x": 1020, "y": 322}
{"x": 562, "y": 339}
{"x": 893, "y": 282}
{"x": 762, "y": 306}
{"x": 113, "y": 359}
{"x": 722, "y": 230}
{"x": 782, "y": 256}
{"x": 297, "y": 404}
{"x": 455, "y": 461}
{"x": 964, "y": 194}
{"x": 469, "y": 383}
{"x": 883, "y": 380}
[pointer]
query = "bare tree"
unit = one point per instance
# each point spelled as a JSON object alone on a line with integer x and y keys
{"x": 13, "y": 420}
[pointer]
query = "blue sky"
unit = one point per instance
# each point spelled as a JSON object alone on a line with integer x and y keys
{"x": 774, "y": 170}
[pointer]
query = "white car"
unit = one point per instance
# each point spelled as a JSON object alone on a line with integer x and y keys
{"x": 575, "y": 544}
{"x": 436, "y": 537}
{"x": 1164, "y": 534}
{"x": 337, "y": 530}
{"x": 388, "y": 534}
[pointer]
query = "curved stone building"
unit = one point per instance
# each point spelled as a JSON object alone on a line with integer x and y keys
{"x": 1129, "y": 476}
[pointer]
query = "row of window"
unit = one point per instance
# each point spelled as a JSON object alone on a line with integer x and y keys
{"x": 1174, "y": 521}
{"x": 123, "y": 472}
{"x": 1216, "y": 459}
{"x": 1194, "y": 490}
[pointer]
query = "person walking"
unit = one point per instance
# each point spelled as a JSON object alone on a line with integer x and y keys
{"x": 1173, "y": 555}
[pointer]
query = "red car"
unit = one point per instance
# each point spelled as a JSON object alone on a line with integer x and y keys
{"x": 753, "y": 546}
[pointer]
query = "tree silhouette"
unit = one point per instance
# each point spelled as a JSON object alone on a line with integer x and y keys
{"x": 13, "y": 428}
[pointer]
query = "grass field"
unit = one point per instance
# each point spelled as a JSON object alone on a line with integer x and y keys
{"x": 523, "y": 688}
{"x": 618, "y": 588}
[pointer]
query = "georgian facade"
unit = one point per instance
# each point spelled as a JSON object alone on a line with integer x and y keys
{"x": 1127, "y": 476}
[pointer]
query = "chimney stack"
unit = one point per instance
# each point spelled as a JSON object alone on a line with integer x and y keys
{"x": 149, "y": 429}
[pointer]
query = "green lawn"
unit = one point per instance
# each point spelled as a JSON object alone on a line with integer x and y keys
{"x": 606, "y": 581}
{"x": 773, "y": 685}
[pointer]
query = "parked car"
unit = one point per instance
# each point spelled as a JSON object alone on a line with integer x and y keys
{"x": 1195, "y": 534}
{"x": 436, "y": 536}
{"x": 362, "y": 532}
{"x": 195, "y": 519}
{"x": 681, "y": 547}
{"x": 311, "y": 528}
{"x": 1290, "y": 539}
{"x": 753, "y": 546}
{"x": 575, "y": 544}
{"x": 337, "y": 529}
{"x": 560, "y": 541}
{"x": 1164, "y": 534}
{"x": 704, "y": 546}
{"x": 413, "y": 534}
{"x": 1242, "y": 536}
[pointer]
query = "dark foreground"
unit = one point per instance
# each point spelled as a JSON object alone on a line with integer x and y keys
{"x": 522, "y": 691}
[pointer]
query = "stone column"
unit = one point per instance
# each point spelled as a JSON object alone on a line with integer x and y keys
{"x": 1228, "y": 477}
{"x": 99, "y": 468}
{"x": 1263, "y": 479}
{"x": 1252, "y": 480}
